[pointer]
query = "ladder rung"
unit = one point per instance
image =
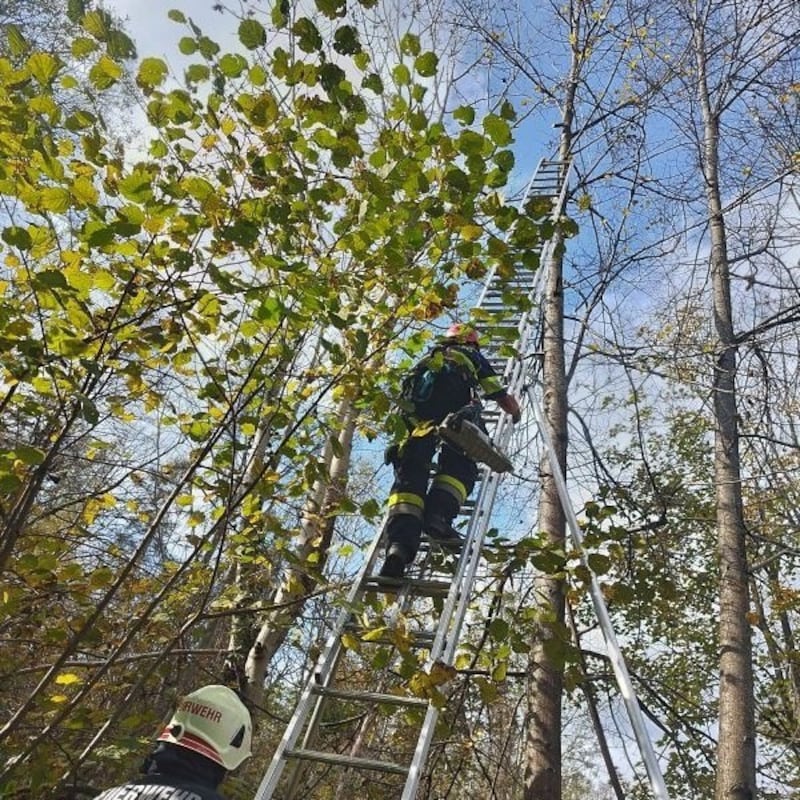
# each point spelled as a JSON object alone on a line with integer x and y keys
{"x": 419, "y": 588}
{"x": 419, "y": 638}
{"x": 369, "y": 697}
{"x": 347, "y": 761}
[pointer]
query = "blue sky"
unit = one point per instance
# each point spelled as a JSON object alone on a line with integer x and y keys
{"x": 156, "y": 35}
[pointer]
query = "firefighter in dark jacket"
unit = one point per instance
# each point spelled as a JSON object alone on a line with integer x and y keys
{"x": 448, "y": 379}
{"x": 209, "y": 734}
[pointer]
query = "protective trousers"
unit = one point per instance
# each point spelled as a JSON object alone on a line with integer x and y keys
{"x": 411, "y": 504}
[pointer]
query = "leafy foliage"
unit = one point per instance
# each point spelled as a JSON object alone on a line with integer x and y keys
{"x": 177, "y": 326}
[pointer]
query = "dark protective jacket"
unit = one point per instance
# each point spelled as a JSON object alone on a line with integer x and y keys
{"x": 160, "y": 787}
{"x": 447, "y": 378}
{"x": 172, "y": 773}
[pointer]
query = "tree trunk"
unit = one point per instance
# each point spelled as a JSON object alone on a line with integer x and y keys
{"x": 545, "y": 678}
{"x": 736, "y": 745}
{"x": 317, "y": 525}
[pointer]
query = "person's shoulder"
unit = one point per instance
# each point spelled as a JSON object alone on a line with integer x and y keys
{"x": 149, "y": 787}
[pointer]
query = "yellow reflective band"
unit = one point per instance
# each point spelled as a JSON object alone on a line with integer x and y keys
{"x": 462, "y": 359}
{"x": 491, "y": 385}
{"x": 451, "y": 485}
{"x": 423, "y": 427}
{"x": 406, "y": 498}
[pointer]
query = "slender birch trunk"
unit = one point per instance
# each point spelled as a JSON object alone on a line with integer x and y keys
{"x": 316, "y": 532}
{"x": 736, "y": 745}
{"x": 545, "y": 678}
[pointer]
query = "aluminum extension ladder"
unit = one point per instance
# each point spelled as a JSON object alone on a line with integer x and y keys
{"x": 406, "y": 648}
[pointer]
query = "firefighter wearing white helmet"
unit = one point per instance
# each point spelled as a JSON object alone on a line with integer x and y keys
{"x": 450, "y": 378}
{"x": 209, "y": 734}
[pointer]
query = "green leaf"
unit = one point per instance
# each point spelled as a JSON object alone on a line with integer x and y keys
{"x": 44, "y": 67}
{"x": 17, "y": 237}
{"x": 106, "y": 72}
{"x": 75, "y": 10}
{"x": 99, "y": 24}
{"x": 507, "y": 111}
{"x": 345, "y": 40}
{"x": 17, "y": 43}
{"x": 280, "y": 13}
{"x": 373, "y": 82}
{"x": 208, "y": 47}
{"x": 331, "y": 76}
{"x": 470, "y": 143}
{"x": 152, "y": 72}
{"x": 426, "y": 64}
{"x": 198, "y": 187}
{"x": 499, "y": 629}
{"x": 137, "y": 186}
{"x": 504, "y": 160}
{"x": 120, "y": 45}
{"x": 409, "y": 45}
{"x": 9, "y": 482}
{"x": 464, "y": 114}
{"x": 28, "y": 455}
{"x": 599, "y": 563}
{"x": 497, "y": 129}
{"x": 232, "y": 65}
{"x": 51, "y": 279}
{"x": 371, "y": 508}
{"x": 187, "y": 45}
{"x": 401, "y": 75}
{"x": 89, "y": 410}
{"x": 332, "y": 8}
{"x": 308, "y": 36}
{"x": 500, "y": 671}
{"x": 82, "y": 46}
{"x": 84, "y": 191}
{"x": 471, "y": 233}
{"x": 56, "y": 199}
{"x": 176, "y": 16}
{"x": 197, "y": 73}
{"x": 252, "y": 34}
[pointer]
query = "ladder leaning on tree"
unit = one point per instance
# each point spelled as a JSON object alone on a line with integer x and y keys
{"x": 392, "y": 724}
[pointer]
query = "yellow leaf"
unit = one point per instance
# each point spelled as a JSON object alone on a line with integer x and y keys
{"x": 59, "y": 698}
{"x": 375, "y": 634}
{"x": 500, "y": 671}
{"x": 471, "y": 232}
{"x": 84, "y": 191}
{"x": 350, "y": 642}
{"x": 441, "y": 673}
{"x": 67, "y": 679}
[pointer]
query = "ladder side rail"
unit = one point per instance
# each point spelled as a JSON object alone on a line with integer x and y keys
{"x": 446, "y": 640}
{"x": 320, "y": 676}
{"x": 617, "y": 660}
{"x": 456, "y": 605}
{"x": 615, "y": 653}
{"x": 454, "y": 612}
{"x": 479, "y": 520}
{"x": 521, "y": 204}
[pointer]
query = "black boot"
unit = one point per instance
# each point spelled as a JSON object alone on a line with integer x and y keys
{"x": 440, "y": 529}
{"x": 394, "y": 566}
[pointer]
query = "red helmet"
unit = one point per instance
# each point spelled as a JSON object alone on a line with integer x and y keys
{"x": 464, "y": 334}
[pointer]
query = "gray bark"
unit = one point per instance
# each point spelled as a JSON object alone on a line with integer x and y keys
{"x": 736, "y": 745}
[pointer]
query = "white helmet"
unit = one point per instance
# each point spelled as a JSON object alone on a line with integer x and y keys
{"x": 214, "y": 722}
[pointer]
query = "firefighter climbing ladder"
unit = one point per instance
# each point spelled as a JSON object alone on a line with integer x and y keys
{"x": 389, "y": 729}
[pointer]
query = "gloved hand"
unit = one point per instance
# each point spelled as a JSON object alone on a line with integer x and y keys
{"x": 390, "y": 454}
{"x": 510, "y": 405}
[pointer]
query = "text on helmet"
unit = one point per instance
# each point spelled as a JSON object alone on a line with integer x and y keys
{"x": 201, "y": 710}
